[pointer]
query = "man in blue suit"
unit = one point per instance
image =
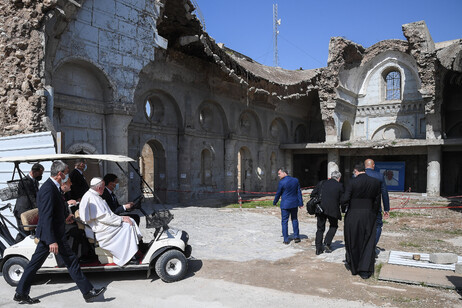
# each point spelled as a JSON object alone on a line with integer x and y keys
{"x": 370, "y": 165}
{"x": 52, "y": 239}
{"x": 291, "y": 199}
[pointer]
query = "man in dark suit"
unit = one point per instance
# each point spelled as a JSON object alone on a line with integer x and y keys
{"x": 363, "y": 196}
{"x": 27, "y": 193}
{"x": 291, "y": 198}
{"x": 52, "y": 239}
{"x": 111, "y": 185}
{"x": 331, "y": 191}
{"x": 79, "y": 183}
{"x": 370, "y": 165}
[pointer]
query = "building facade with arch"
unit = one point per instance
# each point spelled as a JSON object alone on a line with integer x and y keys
{"x": 144, "y": 79}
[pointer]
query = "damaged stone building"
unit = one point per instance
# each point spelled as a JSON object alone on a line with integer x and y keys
{"x": 142, "y": 78}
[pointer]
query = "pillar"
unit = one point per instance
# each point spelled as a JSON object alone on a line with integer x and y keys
{"x": 230, "y": 167}
{"x": 333, "y": 161}
{"x": 116, "y": 135}
{"x": 184, "y": 168}
{"x": 433, "y": 170}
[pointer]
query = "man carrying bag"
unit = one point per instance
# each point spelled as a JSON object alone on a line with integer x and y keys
{"x": 329, "y": 192}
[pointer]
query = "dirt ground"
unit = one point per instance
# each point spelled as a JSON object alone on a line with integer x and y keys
{"x": 427, "y": 230}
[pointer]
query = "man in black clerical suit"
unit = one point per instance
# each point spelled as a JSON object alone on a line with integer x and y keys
{"x": 27, "y": 193}
{"x": 363, "y": 196}
{"x": 111, "y": 186}
{"x": 331, "y": 191}
{"x": 52, "y": 239}
{"x": 79, "y": 183}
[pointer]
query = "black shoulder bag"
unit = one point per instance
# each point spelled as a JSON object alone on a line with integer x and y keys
{"x": 313, "y": 206}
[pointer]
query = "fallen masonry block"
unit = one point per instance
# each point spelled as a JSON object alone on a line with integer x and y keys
{"x": 458, "y": 268}
{"x": 443, "y": 258}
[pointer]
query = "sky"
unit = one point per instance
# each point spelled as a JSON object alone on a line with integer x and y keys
{"x": 306, "y": 26}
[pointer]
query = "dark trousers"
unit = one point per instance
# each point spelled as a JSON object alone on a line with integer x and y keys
{"x": 293, "y": 213}
{"x": 321, "y": 224}
{"x": 38, "y": 258}
{"x": 379, "y": 227}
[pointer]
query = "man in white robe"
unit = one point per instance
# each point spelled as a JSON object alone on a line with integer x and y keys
{"x": 117, "y": 234}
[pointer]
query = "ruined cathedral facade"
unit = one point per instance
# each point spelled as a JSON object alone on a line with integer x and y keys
{"x": 142, "y": 78}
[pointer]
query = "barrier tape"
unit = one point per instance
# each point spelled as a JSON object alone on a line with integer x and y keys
{"x": 401, "y": 206}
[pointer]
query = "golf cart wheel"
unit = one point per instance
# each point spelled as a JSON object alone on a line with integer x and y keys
{"x": 171, "y": 266}
{"x": 13, "y": 270}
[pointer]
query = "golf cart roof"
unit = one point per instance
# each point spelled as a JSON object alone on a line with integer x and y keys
{"x": 50, "y": 157}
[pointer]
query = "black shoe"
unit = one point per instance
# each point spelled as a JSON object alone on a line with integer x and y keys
{"x": 319, "y": 251}
{"x": 286, "y": 242}
{"x": 297, "y": 240}
{"x": 25, "y": 299}
{"x": 327, "y": 249}
{"x": 94, "y": 293}
{"x": 365, "y": 275}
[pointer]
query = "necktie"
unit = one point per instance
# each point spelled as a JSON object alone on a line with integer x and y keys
{"x": 114, "y": 198}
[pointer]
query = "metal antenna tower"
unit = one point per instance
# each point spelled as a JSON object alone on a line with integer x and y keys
{"x": 276, "y": 23}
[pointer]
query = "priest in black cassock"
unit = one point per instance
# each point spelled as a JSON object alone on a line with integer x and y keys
{"x": 363, "y": 196}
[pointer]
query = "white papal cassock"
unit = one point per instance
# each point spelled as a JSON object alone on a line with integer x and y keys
{"x": 112, "y": 234}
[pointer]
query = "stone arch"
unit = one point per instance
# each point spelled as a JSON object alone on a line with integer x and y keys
{"x": 166, "y": 113}
{"x": 346, "y": 131}
{"x": 82, "y": 94}
{"x": 278, "y": 130}
{"x": 153, "y": 168}
{"x": 211, "y": 117}
{"x": 391, "y": 132}
{"x": 249, "y": 124}
{"x": 93, "y": 168}
{"x": 82, "y": 147}
{"x": 79, "y": 77}
{"x": 451, "y": 110}
{"x": 386, "y": 62}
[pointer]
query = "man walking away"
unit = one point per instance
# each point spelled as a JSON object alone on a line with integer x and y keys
{"x": 370, "y": 165}
{"x": 331, "y": 192}
{"x": 291, "y": 198}
{"x": 50, "y": 231}
{"x": 363, "y": 195}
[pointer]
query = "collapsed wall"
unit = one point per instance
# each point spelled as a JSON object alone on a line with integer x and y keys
{"x": 22, "y": 100}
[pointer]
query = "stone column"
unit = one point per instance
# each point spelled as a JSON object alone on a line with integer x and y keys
{"x": 116, "y": 132}
{"x": 288, "y": 161}
{"x": 184, "y": 167}
{"x": 230, "y": 167}
{"x": 333, "y": 161}
{"x": 433, "y": 170}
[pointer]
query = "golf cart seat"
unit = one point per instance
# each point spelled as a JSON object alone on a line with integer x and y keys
{"x": 29, "y": 220}
{"x": 104, "y": 256}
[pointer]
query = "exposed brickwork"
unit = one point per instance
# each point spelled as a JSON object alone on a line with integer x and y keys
{"x": 21, "y": 55}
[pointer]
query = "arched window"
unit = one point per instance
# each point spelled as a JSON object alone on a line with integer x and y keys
{"x": 154, "y": 109}
{"x": 393, "y": 80}
{"x": 346, "y": 131}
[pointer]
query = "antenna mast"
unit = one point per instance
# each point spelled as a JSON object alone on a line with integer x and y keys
{"x": 276, "y": 23}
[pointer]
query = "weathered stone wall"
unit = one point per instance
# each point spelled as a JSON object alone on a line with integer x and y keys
{"x": 22, "y": 103}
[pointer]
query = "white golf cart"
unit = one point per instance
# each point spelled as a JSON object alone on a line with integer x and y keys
{"x": 167, "y": 252}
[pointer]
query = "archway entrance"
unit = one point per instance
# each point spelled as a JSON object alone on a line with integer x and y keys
{"x": 153, "y": 170}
